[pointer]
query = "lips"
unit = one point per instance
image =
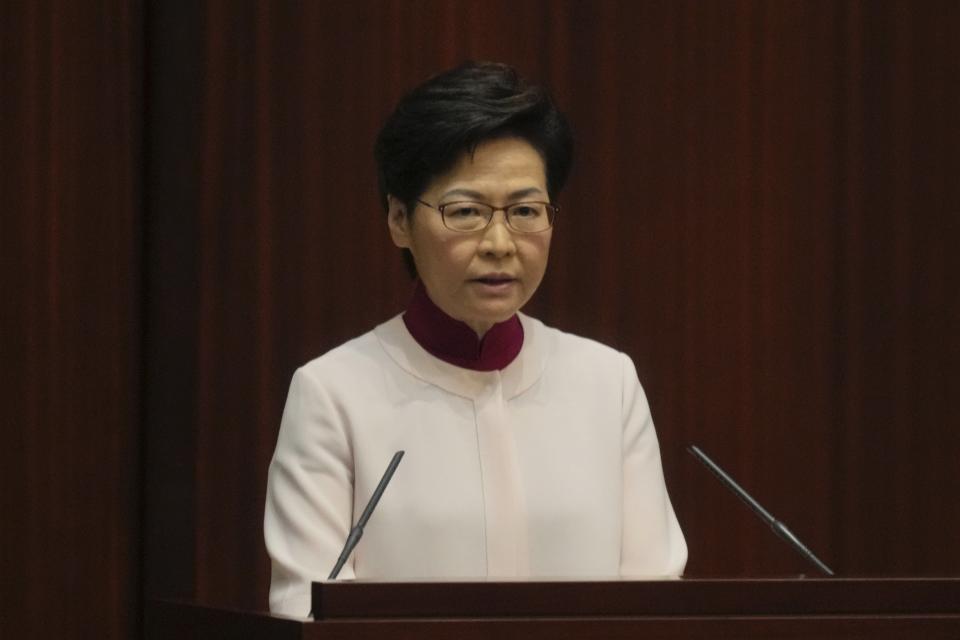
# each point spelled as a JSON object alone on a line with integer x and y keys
{"x": 495, "y": 278}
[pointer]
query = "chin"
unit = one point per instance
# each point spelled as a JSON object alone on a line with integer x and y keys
{"x": 498, "y": 316}
{"x": 493, "y": 311}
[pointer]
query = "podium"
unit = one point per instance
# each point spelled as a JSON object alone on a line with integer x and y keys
{"x": 794, "y": 609}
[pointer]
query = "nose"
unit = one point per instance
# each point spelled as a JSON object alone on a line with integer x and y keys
{"x": 497, "y": 240}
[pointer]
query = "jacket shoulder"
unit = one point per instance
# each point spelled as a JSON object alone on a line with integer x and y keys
{"x": 571, "y": 347}
{"x": 355, "y": 359}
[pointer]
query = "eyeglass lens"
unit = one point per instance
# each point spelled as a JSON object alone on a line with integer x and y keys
{"x": 525, "y": 217}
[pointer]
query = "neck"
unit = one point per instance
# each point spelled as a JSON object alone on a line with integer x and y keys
{"x": 480, "y": 328}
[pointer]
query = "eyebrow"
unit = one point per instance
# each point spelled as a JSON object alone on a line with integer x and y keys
{"x": 476, "y": 195}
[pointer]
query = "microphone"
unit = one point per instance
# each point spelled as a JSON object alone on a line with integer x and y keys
{"x": 357, "y": 532}
{"x": 778, "y": 527}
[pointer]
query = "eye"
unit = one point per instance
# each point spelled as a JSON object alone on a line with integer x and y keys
{"x": 526, "y": 210}
{"x": 461, "y": 210}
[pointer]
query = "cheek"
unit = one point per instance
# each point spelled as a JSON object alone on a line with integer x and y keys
{"x": 538, "y": 250}
{"x": 448, "y": 258}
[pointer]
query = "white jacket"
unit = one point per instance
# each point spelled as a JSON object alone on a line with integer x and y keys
{"x": 548, "y": 468}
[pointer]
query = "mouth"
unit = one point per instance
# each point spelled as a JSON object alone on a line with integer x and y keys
{"x": 495, "y": 282}
{"x": 495, "y": 278}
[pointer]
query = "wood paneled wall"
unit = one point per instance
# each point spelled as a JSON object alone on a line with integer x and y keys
{"x": 70, "y": 296}
{"x": 761, "y": 213}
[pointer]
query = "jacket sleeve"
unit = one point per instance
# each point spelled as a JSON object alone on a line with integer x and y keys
{"x": 652, "y": 542}
{"x": 309, "y": 507}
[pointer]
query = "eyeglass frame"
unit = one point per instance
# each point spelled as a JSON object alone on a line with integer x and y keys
{"x": 440, "y": 207}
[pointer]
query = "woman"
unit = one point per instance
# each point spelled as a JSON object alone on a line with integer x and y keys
{"x": 529, "y": 452}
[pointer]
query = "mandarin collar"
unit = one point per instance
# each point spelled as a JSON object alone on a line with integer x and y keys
{"x": 453, "y": 341}
{"x": 516, "y": 378}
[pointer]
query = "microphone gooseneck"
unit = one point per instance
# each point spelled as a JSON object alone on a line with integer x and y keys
{"x": 778, "y": 527}
{"x": 357, "y": 532}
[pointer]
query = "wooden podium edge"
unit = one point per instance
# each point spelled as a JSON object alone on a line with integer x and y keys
{"x": 632, "y": 598}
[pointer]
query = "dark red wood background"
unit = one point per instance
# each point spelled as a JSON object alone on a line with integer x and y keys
{"x": 70, "y": 297}
{"x": 761, "y": 214}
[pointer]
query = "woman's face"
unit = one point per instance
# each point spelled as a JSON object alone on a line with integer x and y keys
{"x": 486, "y": 276}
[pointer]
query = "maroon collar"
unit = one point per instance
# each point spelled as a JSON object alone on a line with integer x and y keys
{"x": 454, "y": 342}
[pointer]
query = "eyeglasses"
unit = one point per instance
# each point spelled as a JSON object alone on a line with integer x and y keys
{"x": 522, "y": 217}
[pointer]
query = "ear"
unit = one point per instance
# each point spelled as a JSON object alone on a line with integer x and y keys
{"x": 398, "y": 221}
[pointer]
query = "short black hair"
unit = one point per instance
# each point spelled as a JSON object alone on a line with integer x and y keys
{"x": 452, "y": 113}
